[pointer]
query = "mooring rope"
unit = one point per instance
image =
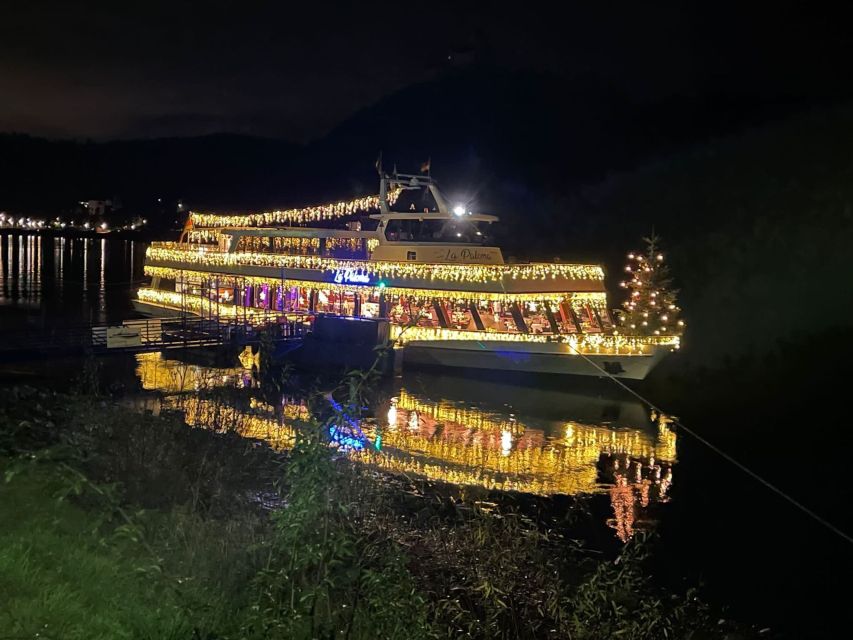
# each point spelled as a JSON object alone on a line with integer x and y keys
{"x": 796, "y": 503}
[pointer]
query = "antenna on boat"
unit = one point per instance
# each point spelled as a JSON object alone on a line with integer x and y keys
{"x": 383, "y": 192}
{"x": 408, "y": 181}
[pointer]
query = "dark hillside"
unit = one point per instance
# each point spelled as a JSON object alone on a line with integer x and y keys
{"x": 502, "y": 139}
{"x": 762, "y": 221}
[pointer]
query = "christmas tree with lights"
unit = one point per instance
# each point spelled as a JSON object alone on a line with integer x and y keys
{"x": 651, "y": 308}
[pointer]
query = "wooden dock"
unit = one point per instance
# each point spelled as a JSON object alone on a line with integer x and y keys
{"x": 150, "y": 334}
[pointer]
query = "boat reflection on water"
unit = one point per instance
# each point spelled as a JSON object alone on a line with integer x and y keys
{"x": 182, "y": 387}
{"x": 463, "y": 432}
{"x": 599, "y": 445}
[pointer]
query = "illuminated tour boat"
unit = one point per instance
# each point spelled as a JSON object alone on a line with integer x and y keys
{"x": 447, "y": 295}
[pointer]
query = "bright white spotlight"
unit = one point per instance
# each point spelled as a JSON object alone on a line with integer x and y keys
{"x": 459, "y": 210}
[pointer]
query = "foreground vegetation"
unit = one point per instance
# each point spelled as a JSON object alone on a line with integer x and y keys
{"x": 127, "y": 525}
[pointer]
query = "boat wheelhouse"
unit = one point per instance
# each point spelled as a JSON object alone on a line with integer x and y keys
{"x": 450, "y": 297}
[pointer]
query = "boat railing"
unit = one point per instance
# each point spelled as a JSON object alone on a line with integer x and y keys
{"x": 458, "y": 272}
{"x": 152, "y": 334}
{"x": 604, "y": 343}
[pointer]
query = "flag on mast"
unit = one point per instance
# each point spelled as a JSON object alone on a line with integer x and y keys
{"x": 425, "y": 167}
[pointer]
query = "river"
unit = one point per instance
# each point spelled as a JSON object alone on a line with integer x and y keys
{"x": 751, "y": 550}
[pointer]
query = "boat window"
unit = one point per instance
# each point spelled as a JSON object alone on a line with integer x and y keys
{"x": 350, "y": 248}
{"x": 437, "y": 230}
{"x": 587, "y": 317}
{"x": 496, "y": 316}
{"x": 529, "y": 316}
{"x": 287, "y": 245}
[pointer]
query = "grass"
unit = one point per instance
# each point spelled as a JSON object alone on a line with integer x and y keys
{"x": 61, "y": 578}
{"x": 117, "y": 525}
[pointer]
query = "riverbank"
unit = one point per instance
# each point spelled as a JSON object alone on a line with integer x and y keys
{"x": 213, "y": 535}
{"x": 142, "y": 235}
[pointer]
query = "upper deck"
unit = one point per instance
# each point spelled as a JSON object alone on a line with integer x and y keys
{"x": 440, "y": 248}
{"x": 437, "y": 234}
{"x": 502, "y": 279}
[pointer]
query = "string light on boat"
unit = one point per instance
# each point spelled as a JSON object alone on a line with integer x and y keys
{"x": 180, "y": 254}
{"x": 587, "y": 343}
{"x": 294, "y": 216}
{"x": 598, "y": 299}
{"x": 194, "y": 303}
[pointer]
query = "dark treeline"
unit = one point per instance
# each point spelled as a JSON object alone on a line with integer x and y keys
{"x": 758, "y": 228}
{"x": 489, "y": 133}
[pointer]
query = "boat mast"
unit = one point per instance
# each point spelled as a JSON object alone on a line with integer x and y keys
{"x": 408, "y": 181}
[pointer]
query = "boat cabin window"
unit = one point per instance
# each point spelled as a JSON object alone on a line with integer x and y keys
{"x": 333, "y": 247}
{"x": 268, "y": 244}
{"x": 437, "y": 230}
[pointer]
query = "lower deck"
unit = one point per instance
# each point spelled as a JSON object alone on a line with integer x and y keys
{"x": 569, "y": 313}
{"x": 568, "y": 333}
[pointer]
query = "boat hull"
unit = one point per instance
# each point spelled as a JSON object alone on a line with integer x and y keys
{"x": 537, "y": 358}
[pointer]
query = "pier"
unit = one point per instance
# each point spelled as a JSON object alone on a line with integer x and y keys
{"x": 152, "y": 334}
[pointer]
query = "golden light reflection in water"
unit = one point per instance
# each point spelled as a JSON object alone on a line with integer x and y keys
{"x": 157, "y": 373}
{"x": 466, "y": 445}
{"x": 258, "y": 421}
{"x": 445, "y": 441}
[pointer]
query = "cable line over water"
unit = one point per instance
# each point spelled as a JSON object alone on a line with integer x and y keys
{"x": 766, "y": 483}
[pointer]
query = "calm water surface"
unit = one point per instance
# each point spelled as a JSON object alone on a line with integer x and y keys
{"x": 49, "y": 281}
{"x": 715, "y": 525}
{"x": 451, "y": 430}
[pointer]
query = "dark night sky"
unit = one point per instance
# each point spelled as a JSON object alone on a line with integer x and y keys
{"x": 295, "y": 70}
